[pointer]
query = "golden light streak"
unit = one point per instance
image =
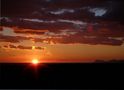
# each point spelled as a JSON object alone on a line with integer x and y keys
{"x": 33, "y": 47}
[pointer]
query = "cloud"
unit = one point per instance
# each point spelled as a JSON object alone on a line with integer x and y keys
{"x": 77, "y": 22}
{"x": 62, "y": 21}
{"x": 12, "y": 39}
{"x": 34, "y": 20}
{"x": 98, "y": 11}
{"x": 68, "y": 35}
{"x": 30, "y": 47}
{"x": 5, "y": 19}
{"x": 56, "y": 21}
{"x": 8, "y": 39}
{"x": 45, "y": 25}
{"x": 5, "y": 46}
{"x": 88, "y": 33}
{"x": 62, "y": 11}
{"x": 24, "y": 47}
{"x": 39, "y": 20}
{"x": 86, "y": 40}
{"x": 41, "y": 26}
{"x": 29, "y": 31}
{"x": 39, "y": 48}
{"x": 12, "y": 46}
{"x": 7, "y": 31}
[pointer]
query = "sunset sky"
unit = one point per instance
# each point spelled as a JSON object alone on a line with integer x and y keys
{"x": 61, "y": 30}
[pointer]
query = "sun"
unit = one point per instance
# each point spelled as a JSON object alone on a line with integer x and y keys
{"x": 35, "y": 61}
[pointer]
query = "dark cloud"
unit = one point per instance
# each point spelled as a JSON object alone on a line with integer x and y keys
{"x": 18, "y": 39}
{"x": 12, "y": 46}
{"x": 90, "y": 41}
{"x": 24, "y": 47}
{"x": 5, "y": 46}
{"x": 59, "y": 24}
{"x": 39, "y": 48}
{"x": 43, "y": 9}
{"x": 54, "y": 27}
{"x": 29, "y": 31}
{"x": 12, "y": 39}
{"x": 101, "y": 33}
{"x": 29, "y": 47}
{"x": 8, "y": 39}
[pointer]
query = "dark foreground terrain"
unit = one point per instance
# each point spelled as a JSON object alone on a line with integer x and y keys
{"x": 92, "y": 75}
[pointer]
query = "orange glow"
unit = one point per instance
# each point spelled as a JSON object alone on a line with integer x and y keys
{"x": 35, "y": 61}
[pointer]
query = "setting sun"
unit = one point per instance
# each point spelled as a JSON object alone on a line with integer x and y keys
{"x": 35, "y": 61}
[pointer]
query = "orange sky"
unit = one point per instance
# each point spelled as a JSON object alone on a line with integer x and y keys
{"x": 64, "y": 53}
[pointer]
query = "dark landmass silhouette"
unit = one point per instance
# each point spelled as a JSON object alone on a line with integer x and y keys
{"x": 109, "y": 61}
{"x": 67, "y": 75}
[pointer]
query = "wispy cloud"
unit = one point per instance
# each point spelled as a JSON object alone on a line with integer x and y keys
{"x": 98, "y": 11}
{"x": 62, "y": 11}
{"x": 5, "y": 19}
{"x": 12, "y": 46}
{"x": 73, "y": 22}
